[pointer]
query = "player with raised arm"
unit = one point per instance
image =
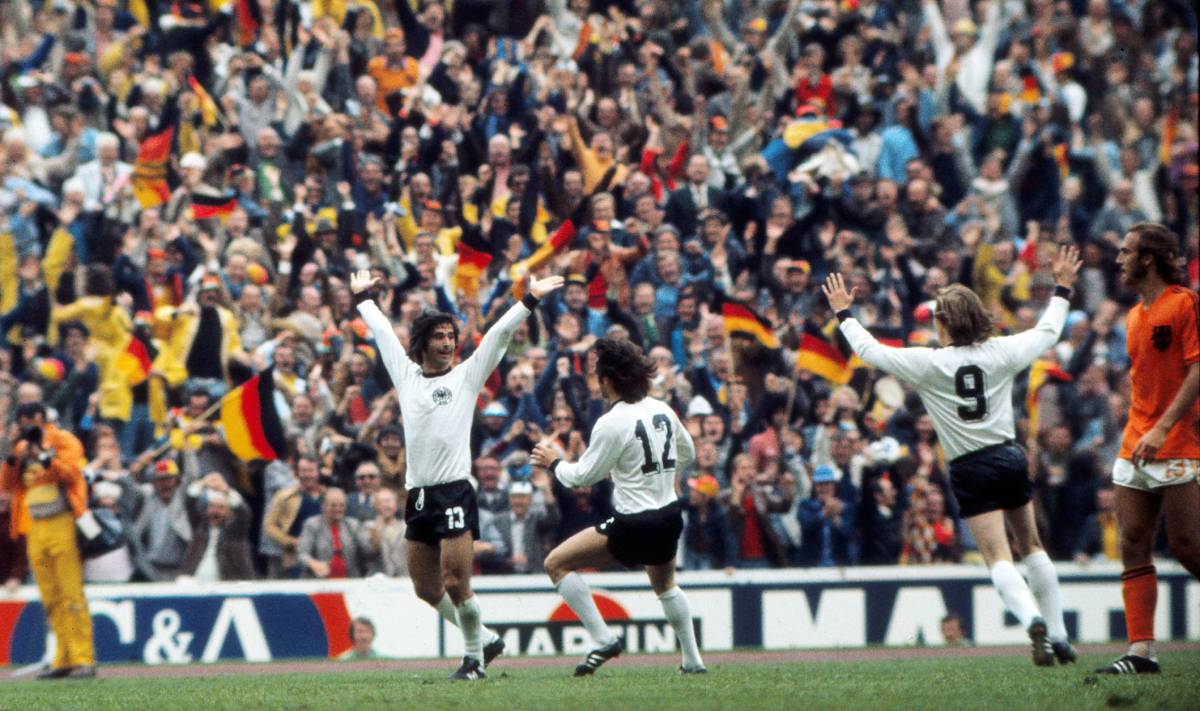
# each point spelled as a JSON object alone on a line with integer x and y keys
{"x": 641, "y": 443}
{"x": 967, "y": 388}
{"x": 1159, "y": 463}
{"x": 438, "y": 404}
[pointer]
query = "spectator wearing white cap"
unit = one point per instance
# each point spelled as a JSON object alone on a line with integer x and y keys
{"x": 116, "y": 566}
{"x": 525, "y": 528}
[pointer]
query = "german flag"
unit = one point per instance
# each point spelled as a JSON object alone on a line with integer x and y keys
{"x": 821, "y": 356}
{"x": 887, "y": 336}
{"x": 134, "y": 361}
{"x": 252, "y": 427}
{"x": 1169, "y": 132}
{"x": 741, "y": 319}
{"x": 557, "y": 242}
{"x": 1060, "y": 159}
{"x": 249, "y": 20}
{"x": 1031, "y": 91}
{"x": 473, "y": 259}
{"x": 1042, "y": 372}
{"x": 150, "y": 169}
{"x": 205, "y": 206}
{"x": 209, "y": 112}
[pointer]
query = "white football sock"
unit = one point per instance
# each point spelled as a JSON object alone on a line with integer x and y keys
{"x": 1043, "y": 581}
{"x": 579, "y": 599}
{"x": 1014, "y": 592}
{"x": 675, "y": 604}
{"x": 449, "y": 613}
{"x": 468, "y": 617}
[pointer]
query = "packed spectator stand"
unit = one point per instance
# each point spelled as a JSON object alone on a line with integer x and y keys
{"x": 186, "y": 187}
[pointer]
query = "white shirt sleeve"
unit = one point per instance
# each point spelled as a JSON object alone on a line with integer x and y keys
{"x": 491, "y": 349}
{"x": 1021, "y": 349}
{"x": 390, "y": 351}
{"x": 908, "y": 364}
{"x": 597, "y": 460}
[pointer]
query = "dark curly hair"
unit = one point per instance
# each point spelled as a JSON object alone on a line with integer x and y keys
{"x": 100, "y": 281}
{"x": 1160, "y": 243}
{"x": 422, "y": 329}
{"x": 624, "y": 365}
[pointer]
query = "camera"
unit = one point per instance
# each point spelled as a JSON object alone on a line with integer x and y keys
{"x": 32, "y": 435}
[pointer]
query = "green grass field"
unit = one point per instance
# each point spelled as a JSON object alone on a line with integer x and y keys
{"x": 1008, "y": 682}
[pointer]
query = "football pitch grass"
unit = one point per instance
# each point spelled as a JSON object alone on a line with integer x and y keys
{"x": 735, "y": 682}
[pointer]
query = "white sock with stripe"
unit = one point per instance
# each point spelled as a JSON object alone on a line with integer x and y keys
{"x": 675, "y": 605}
{"x": 579, "y": 598}
{"x": 1014, "y": 592}
{"x": 1043, "y": 581}
{"x": 449, "y": 613}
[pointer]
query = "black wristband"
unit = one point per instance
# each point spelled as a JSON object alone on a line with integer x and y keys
{"x": 843, "y": 315}
{"x": 554, "y": 464}
{"x": 361, "y": 297}
{"x": 531, "y": 302}
{"x": 1063, "y": 291}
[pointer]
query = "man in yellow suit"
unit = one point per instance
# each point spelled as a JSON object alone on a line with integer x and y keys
{"x": 45, "y": 477}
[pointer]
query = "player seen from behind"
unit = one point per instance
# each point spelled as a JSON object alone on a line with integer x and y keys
{"x": 641, "y": 443}
{"x": 967, "y": 388}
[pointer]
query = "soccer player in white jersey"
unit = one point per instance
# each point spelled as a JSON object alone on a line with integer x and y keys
{"x": 641, "y": 443}
{"x": 967, "y": 388}
{"x": 438, "y": 405}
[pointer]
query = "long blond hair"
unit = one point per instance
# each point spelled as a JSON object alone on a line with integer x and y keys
{"x": 963, "y": 315}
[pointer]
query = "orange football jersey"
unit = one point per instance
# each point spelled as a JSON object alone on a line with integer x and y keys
{"x": 1163, "y": 340}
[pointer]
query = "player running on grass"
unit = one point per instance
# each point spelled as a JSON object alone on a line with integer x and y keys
{"x": 1159, "y": 463}
{"x": 438, "y": 402}
{"x": 641, "y": 443}
{"x": 967, "y": 388}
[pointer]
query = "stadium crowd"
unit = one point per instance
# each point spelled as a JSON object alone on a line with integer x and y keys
{"x": 185, "y": 188}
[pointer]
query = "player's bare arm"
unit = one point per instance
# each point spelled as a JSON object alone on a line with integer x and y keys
{"x": 538, "y": 288}
{"x": 543, "y": 455}
{"x": 362, "y": 282}
{"x": 1066, "y": 266}
{"x": 1184, "y": 402}
{"x": 835, "y": 292}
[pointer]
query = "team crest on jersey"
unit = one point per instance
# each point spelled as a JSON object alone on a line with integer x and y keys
{"x": 442, "y": 396}
{"x": 1160, "y": 337}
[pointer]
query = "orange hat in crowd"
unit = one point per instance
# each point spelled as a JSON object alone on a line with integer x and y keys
{"x": 256, "y": 273}
{"x": 706, "y": 484}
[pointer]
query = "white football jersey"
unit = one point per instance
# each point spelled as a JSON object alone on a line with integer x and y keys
{"x": 643, "y": 445}
{"x": 438, "y": 411}
{"x": 966, "y": 389}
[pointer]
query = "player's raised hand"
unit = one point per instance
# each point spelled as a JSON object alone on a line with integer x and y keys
{"x": 543, "y": 455}
{"x": 362, "y": 281}
{"x": 835, "y": 292}
{"x": 540, "y": 287}
{"x": 1066, "y": 265}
